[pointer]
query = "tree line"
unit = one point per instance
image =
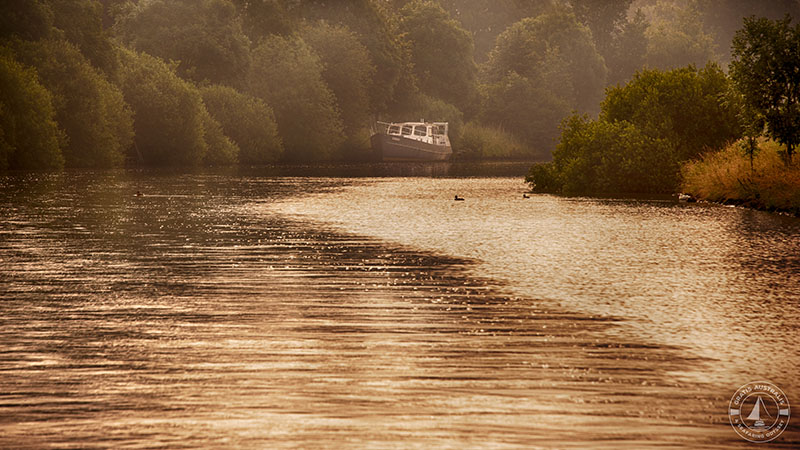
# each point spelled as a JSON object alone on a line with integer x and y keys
{"x": 89, "y": 83}
{"x": 649, "y": 128}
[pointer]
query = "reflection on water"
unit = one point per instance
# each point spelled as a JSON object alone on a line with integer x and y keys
{"x": 722, "y": 282}
{"x": 230, "y": 311}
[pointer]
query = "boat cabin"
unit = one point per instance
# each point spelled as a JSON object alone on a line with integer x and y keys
{"x": 432, "y": 133}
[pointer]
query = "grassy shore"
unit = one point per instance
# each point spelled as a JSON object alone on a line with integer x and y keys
{"x": 728, "y": 177}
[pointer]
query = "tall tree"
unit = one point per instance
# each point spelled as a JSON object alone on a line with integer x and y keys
{"x": 29, "y": 135}
{"x": 287, "y": 74}
{"x": 81, "y": 21}
{"x": 555, "y": 51}
{"x": 684, "y": 106}
{"x": 248, "y": 121}
{"x": 88, "y": 108}
{"x": 168, "y": 112}
{"x": 205, "y": 38}
{"x": 348, "y": 71}
{"x": 441, "y": 52}
{"x": 766, "y": 70}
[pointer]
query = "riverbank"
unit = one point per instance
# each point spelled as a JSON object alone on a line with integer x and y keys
{"x": 730, "y": 177}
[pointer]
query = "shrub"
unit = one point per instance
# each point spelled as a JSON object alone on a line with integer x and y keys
{"x": 727, "y": 176}
{"x": 480, "y": 141}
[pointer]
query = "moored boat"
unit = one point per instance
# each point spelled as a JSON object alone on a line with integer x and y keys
{"x": 412, "y": 141}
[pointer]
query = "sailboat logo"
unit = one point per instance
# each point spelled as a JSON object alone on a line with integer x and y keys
{"x": 755, "y": 413}
{"x": 768, "y": 411}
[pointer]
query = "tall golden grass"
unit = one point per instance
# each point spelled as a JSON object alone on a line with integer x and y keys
{"x": 726, "y": 176}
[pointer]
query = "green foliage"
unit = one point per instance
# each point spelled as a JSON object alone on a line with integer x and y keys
{"x": 205, "y": 37}
{"x": 646, "y": 129}
{"x": 82, "y": 24}
{"x": 88, "y": 108}
{"x": 441, "y": 53}
{"x": 628, "y": 49}
{"x": 479, "y": 141}
{"x": 168, "y": 112}
{"x": 526, "y": 109}
{"x": 556, "y": 53}
{"x": 25, "y": 19}
{"x": 248, "y": 121}
{"x": 287, "y": 74}
{"x": 485, "y": 19}
{"x": 260, "y": 18}
{"x": 676, "y": 36}
{"x": 346, "y": 69}
{"x": 684, "y": 106}
{"x": 29, "y": 135}
{"x": 377, "y": 31}
{"x": 221, "y": 150}
{"x": 765, "y": 71}
{"x": 597, "y": 157}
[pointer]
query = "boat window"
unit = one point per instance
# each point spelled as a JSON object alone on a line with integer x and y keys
{"x": 406, "y": 130}
{"x": 394, "y": 129}
{"x": 420, "y": 130}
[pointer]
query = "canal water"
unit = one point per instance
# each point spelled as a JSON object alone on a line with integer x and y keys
{"x": 362, "y": 307}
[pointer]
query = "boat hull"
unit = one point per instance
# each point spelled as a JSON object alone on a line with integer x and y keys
{"x": 398, "y": 148}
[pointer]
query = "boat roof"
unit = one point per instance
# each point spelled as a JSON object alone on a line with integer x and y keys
{"x": 414, "y": 123}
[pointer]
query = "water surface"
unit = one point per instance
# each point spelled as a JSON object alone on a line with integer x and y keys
{"x": 266, "y": 311}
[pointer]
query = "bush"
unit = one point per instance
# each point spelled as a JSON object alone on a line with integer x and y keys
{"x": 168, "y": 112}
{"x": 287, "y": 74}
{"x": 727, "y": 177}
{"x": 29, "y": 135}
{"x": 599, "y": 157}
{"x": 480, "y": 141}
{"x": 248, "y": 121}
{"x": 92, "y": 111}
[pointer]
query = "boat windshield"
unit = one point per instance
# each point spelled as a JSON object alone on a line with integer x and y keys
{"x": 406, "y": 130}
{"x": 394, "y": 129}
{"x": 420, "y": 130}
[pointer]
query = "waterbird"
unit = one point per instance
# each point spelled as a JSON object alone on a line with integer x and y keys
{"x": 459, "y": 199}
{"x": 525, "y": 195}
{"x": 138, "y": 194}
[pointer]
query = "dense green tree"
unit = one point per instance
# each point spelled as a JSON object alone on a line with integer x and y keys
{"x": 88, "y": 108}
{"x": 629, "y": 49}
{"x": 348, "y": 71}
{"x": 724, "y": 17}
{"x": 377, "y": 30}
{"x": 441, "y": 53}
{"x": 605, "y": 18}
{"x": 168, "y": 112}
{"x": 29, "y": 135}
{"x": 287, "y": 74}
{"x": 684, "y": 106}
{"x": 248, "y": 121}
{"x": 766, "y": 71}
{"x": 222, "y": 151}
{"x": 25, "y": 19}
{"x": 485, "y": 19}
{"x": 523, "y": 107}
{"x": 81, "y": 22}
{"x": 676, "y": 36}
{"x": 556, "y": 52}
{"x": 646, "y": 129}
{"x": 205, "y": 38}
{"x": 261, "y": 18}
{"x": 599, "y": 156}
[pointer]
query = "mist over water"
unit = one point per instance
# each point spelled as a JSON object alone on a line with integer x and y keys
{"x": 251, "y": 311}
